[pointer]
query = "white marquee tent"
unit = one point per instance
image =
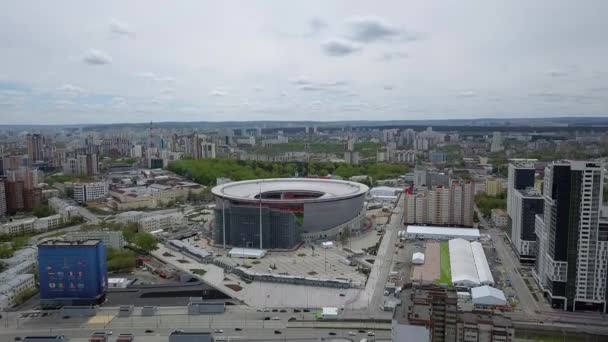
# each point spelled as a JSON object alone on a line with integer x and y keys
{"x": 487, "y": 295}
{"x": 462, "y": 262}
{"x": 483, "y": 269}
{"x": 418, "y": 258}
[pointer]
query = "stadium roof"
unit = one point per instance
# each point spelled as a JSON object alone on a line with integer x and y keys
{"x": 327, "y": 189}
{"x": 487, "y": 295}
{"x": 462, "y": 262}
{"x": 456, "y": 232}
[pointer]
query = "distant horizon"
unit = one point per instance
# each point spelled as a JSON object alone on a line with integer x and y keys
{"x": 404, "y": 121}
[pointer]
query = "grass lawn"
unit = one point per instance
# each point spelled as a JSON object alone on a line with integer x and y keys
{"x": 445, "y": 273}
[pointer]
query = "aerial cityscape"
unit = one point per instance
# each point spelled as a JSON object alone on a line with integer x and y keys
{"x": 311, "y": 171}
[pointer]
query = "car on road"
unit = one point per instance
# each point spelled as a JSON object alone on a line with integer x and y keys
{"x": 275, "y": 318}
{"x": 65, "y": 317}
{"x": 218, "y": 331}
{"x": 283, "y": 310}
{"x": 275, "y": 310}
{"x": 149, "y": 331}
{"x": 277, "y": 332}
{"x": 342, "y": 295}
{"x": 296, "y": 310}
{"x": 352, "y": 333}
{"x": 361, "y": 331}
{"x": 259, "y": 310}
{"x": 267, "y": 318}
{"x": 331, "y": 333}
{"x": 238, "y": 329}
{"x": 291, "y": 319}
{"x": 17, "y": 338}
{"x": 306, "y": 310}
{"x": 371, "y": 333}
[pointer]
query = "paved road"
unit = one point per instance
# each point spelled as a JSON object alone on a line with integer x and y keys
{"x": 511, "y": 263}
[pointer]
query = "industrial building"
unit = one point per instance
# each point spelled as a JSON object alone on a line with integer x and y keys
{"x": 281, "y": 213}
{"x": 440, "y": 233}
{"x": 72, "y": 273}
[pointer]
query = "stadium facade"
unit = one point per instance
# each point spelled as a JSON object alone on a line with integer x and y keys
{"x": 291, "y": 210}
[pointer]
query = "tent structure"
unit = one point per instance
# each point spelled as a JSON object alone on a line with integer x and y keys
{"x": 418, "y": 258}
{"x": 483, "y": 269}
{"x": 249, "y": 253}
{"x": 462, "y": 262}
{"x": 488, "y": 296}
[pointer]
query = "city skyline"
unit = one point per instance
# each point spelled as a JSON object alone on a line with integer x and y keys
{"x": 106, "y": 63}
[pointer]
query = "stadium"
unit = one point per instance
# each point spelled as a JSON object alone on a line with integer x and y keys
{"x": 281, "y": 213}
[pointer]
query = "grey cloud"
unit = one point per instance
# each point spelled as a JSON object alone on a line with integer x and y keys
{"x": 391, "y": 56}
{"x": 339, "y": 47}
{"x": 389, "y": 87}
{"x": 317, "y": 25}
{"x": 556, "y": 73}
{"x": 118, "y": 29}
{"x": 372, "y": 29}
{"x": 308, "y": 87}
{"x": 96, "y": 57}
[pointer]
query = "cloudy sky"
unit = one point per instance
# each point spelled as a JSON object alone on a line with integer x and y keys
{"x": 132, "y": 61}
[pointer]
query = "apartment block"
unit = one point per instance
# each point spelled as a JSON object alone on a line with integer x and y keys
{"x": 572, "y": 241}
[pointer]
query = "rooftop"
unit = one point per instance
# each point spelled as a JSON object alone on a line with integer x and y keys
{"x": 443, "y": 231}
{"x": 69, "y": 243}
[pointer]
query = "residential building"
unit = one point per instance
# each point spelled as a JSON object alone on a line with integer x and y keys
{"x": 437, "y": 157}
{"x": 405, "y": 156}
{"x": 484, "y": 327}
{"x": 82, "y": 164}
{"x": 440, "y": 205}
{"x": 351, "y": 157}
{"x": 435, "y": 307}
{"x": 500, "y": 218}
{"x": 88, "y": 192}
{"x": 3, "y": 210}
{"x": 497, "y": 140}
{"x": 35, "y": 147}
{"x": 525, "y": 205}
{"x": 572, "y": 252}
{"x": 494, "y": 186}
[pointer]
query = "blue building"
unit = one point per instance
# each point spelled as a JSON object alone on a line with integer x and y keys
{"x": 72, "y": 273}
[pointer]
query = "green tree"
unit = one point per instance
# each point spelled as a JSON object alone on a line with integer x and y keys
{"x": 130, "y": 230}
{"x": 5, "y": 251}
{"x": 145, "y": 241}
{"x": 42, "y": 211}
{"x": 120, "y": 260}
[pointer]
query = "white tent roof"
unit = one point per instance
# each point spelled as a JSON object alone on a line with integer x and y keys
{"x": 464, "y": 272}
{"x": 384, "y": 191}
{"x": 483, "y": 269}
{"x": 487, "y": 295}
{"x": 247, "y": 253}
{"x": 418, "y": 258}
{"x": 469, "y": 233}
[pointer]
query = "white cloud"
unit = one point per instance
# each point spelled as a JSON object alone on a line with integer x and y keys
{"x": 96, "y": 57}
{"x": 69, "y": 89}
{"x": 121, "y": 29}
{"x": 155, "y": 77}
{"x": 556, "y": 73}
{"x": 467, "y": 93}
{"x": 217, "y": 92}
{"x": 371, "y": 29}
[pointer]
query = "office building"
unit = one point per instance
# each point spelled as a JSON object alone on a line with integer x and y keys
{"x": 521, "y": 176}
{"x": 87, "y": 192}
{"x": 572, "y": 245}
{"x": 82, "y": 165}
{"x": 72, "y": 273}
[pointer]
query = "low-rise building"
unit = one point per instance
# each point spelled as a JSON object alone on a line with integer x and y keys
{"x": 163, "y": 221}
{"x": 494, "y": 186}
{"x": 11, "y": 288}
{"x": 113, "y": 239}
{"x": 50, "y": 222}
{"x": 500, "y": 218}
{"x": 88, "y": 192}
{"x": 18, "y": 226}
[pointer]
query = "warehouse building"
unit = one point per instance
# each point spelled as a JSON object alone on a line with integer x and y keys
{"x": 469, "y": 265}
